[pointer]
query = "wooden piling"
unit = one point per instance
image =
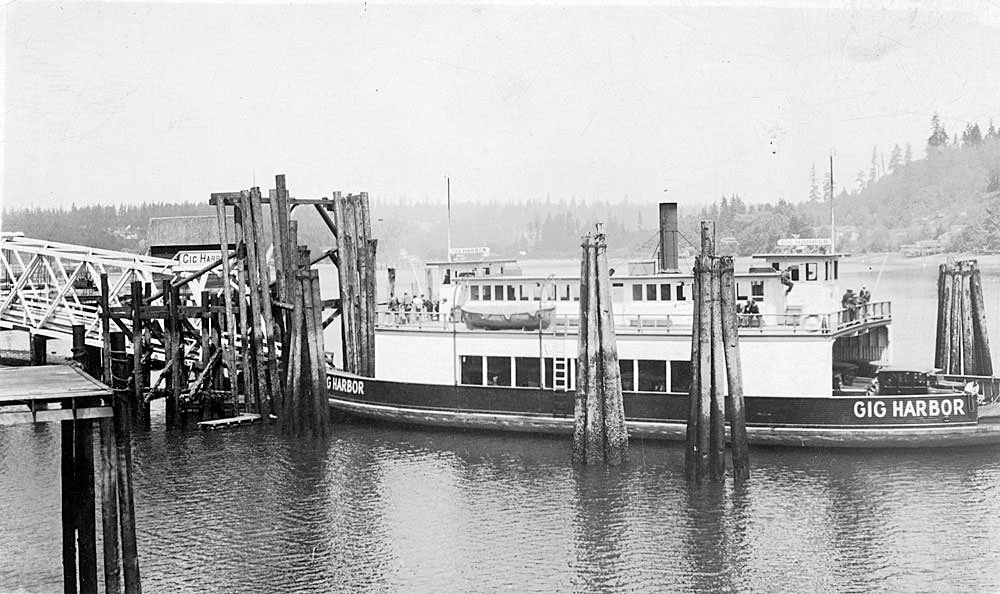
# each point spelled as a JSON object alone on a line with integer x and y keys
{"x": 105, "y": 328}
{"x": 109, "y": 464}
{"x": 983, "y": 356}
{"x": 271, "y": 355}
{"x": 248, "y": 368}
{"x": 37, "y": 348}
{"x": 86, "y": 534}
{"x": 704, "y": 366}
{"x": 734, "y": 372}
{"x": 69, "y": 519}
{"x": 615, "y": 430}
{"x": 228, "y": 345}
{"x": 583, "y": 369}
{"x": 717, "y": 417}
{"x": 138, "y": 373}
{"x": 955, "y": 350}
{"x": 969, "y": 363}
{"x": 590, "y": 360}
{"x": 943, "y": 318}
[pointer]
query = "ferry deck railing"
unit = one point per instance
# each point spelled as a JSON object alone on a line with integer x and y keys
{"x": 797, "y": 323}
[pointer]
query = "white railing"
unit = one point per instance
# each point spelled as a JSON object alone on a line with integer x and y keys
{"x": 662, "y": 323}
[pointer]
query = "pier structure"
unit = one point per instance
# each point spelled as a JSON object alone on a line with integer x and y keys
{"x": 69, "y": 396}
{"x": 716, "y": 373}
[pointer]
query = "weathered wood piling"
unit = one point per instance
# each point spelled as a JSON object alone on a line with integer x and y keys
{"x": 716, "y": 376}
{"x": 600, "y": 434}
{"x": 356, "y": 269}
{"x": 962, "y": 346}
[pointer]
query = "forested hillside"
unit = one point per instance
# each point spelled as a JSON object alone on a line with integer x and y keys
{"x": 950, "y": 193}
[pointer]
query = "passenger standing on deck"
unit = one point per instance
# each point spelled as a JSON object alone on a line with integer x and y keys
{"x": 849, "y": 302}
{"x": 407, "y": 306}
{"x": 418, "y": 307}
{"x": 864, "y": 296}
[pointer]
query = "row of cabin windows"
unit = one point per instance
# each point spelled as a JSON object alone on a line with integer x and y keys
{"x": 560, "y": 292}
{"x": 571, "y": 292}
{"x": 642, "y": 375}
{"x": 658, "y": 292}
{"x": 810, "y": 270}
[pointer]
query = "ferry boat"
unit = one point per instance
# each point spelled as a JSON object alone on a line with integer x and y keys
{"x": 804, "y": 356}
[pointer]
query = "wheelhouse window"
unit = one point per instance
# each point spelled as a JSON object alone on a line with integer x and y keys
{"x": 527, "y": 372}
{"x": 636, "y": 292}
{"x": 680, "y": 376}
{"x": 836, "y": 274}
{"x": 627, "y": 368}
{"x": 498, "y": 371}
{"x": 472, "y": 370}
{"x": 812, "y": 271}
{"x": 757, "y": 290}
{"x": 793, "y": 271}
{"x": 741, "y": 292}
{"x": 650, "y": 292}
{"x": 680, "y": 292}
{"x": 652, "y": 376}
{"x": 664, "y": 292}
{"x": 564, "y": 294}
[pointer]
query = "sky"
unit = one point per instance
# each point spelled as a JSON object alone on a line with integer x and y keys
{"x": 127, "y": 102}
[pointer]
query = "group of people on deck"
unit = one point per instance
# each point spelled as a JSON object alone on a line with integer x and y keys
{"x": 413, "y": 307}
{"x": 748, "y": 313}
{"x": 852, "y": 302}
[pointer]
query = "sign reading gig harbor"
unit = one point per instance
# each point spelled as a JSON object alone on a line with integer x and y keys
{"x": 345, "y": 384}
{"x": 196, "y": 259}
{"x": 912, "y": 409}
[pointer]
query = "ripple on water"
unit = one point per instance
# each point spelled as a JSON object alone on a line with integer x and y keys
{"x": 388, "y": 509}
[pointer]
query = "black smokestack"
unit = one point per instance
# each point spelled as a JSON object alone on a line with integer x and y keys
{"x": 668, "y": 236}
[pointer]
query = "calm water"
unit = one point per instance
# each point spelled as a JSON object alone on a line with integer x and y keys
{"x": 388, "y": 509}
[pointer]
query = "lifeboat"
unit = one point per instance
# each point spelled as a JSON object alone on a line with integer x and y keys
{"x": 514, "y": 316}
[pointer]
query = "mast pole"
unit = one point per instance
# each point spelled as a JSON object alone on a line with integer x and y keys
{"x": 449, "y": 218}
{"x": 833, "y": 232}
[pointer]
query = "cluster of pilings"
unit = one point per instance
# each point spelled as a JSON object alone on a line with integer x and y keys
{"x": 716, "y": 375}
{"x": 79, "y": 497}
{"x": 600, "y": 434}
{"x": 192, "y": 379}
{"x": 963, "y": 347}
{"x": 356, "y": 254}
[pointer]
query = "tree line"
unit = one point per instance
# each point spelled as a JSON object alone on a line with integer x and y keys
{"x": 951, "y": 193}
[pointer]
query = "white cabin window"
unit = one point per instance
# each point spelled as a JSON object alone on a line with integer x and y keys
{"x": 741, "y": 291}
{"x": 836, "y": 274}
{"x": 650, "y": 292}
{"x": 664, "y": 292}
{"x": 757, "y": 290}
{"x": 511, "y": 293}
{"x": 637, "y": 292}
{"x": 565, "y": 293}
{"x": 498, "y": 292}
{"x": 680, "y": 292}
{"x": 812, "y": 271}
{"x": 473, "y": 293}
{"x": 487, "y": 293}
{"x": 794, "y": 272}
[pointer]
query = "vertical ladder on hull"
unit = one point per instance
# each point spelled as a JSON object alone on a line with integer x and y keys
{"x": 560, "y": 373}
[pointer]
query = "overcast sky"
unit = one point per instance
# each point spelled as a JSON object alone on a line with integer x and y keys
{"x": 124, "y": 102}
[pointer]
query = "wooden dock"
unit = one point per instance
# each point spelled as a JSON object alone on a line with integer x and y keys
{"x": 243, "y": 419}
{"x": 81, "y": 404}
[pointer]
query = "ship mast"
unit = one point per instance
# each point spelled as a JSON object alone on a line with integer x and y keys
{"x": 449, "y": 219}
{"x": 833, "y": 232}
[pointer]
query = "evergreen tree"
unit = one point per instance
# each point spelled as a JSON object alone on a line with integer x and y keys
{"x": 873, "y": 172}
{"x": 895, "y": 158}
{"x": 939, "y": 136}
{"x": 972, "y": 135}
{"x": 908, "y": 156}
{"x": 813, "y": 186}
{"x": 992, "y": 132}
